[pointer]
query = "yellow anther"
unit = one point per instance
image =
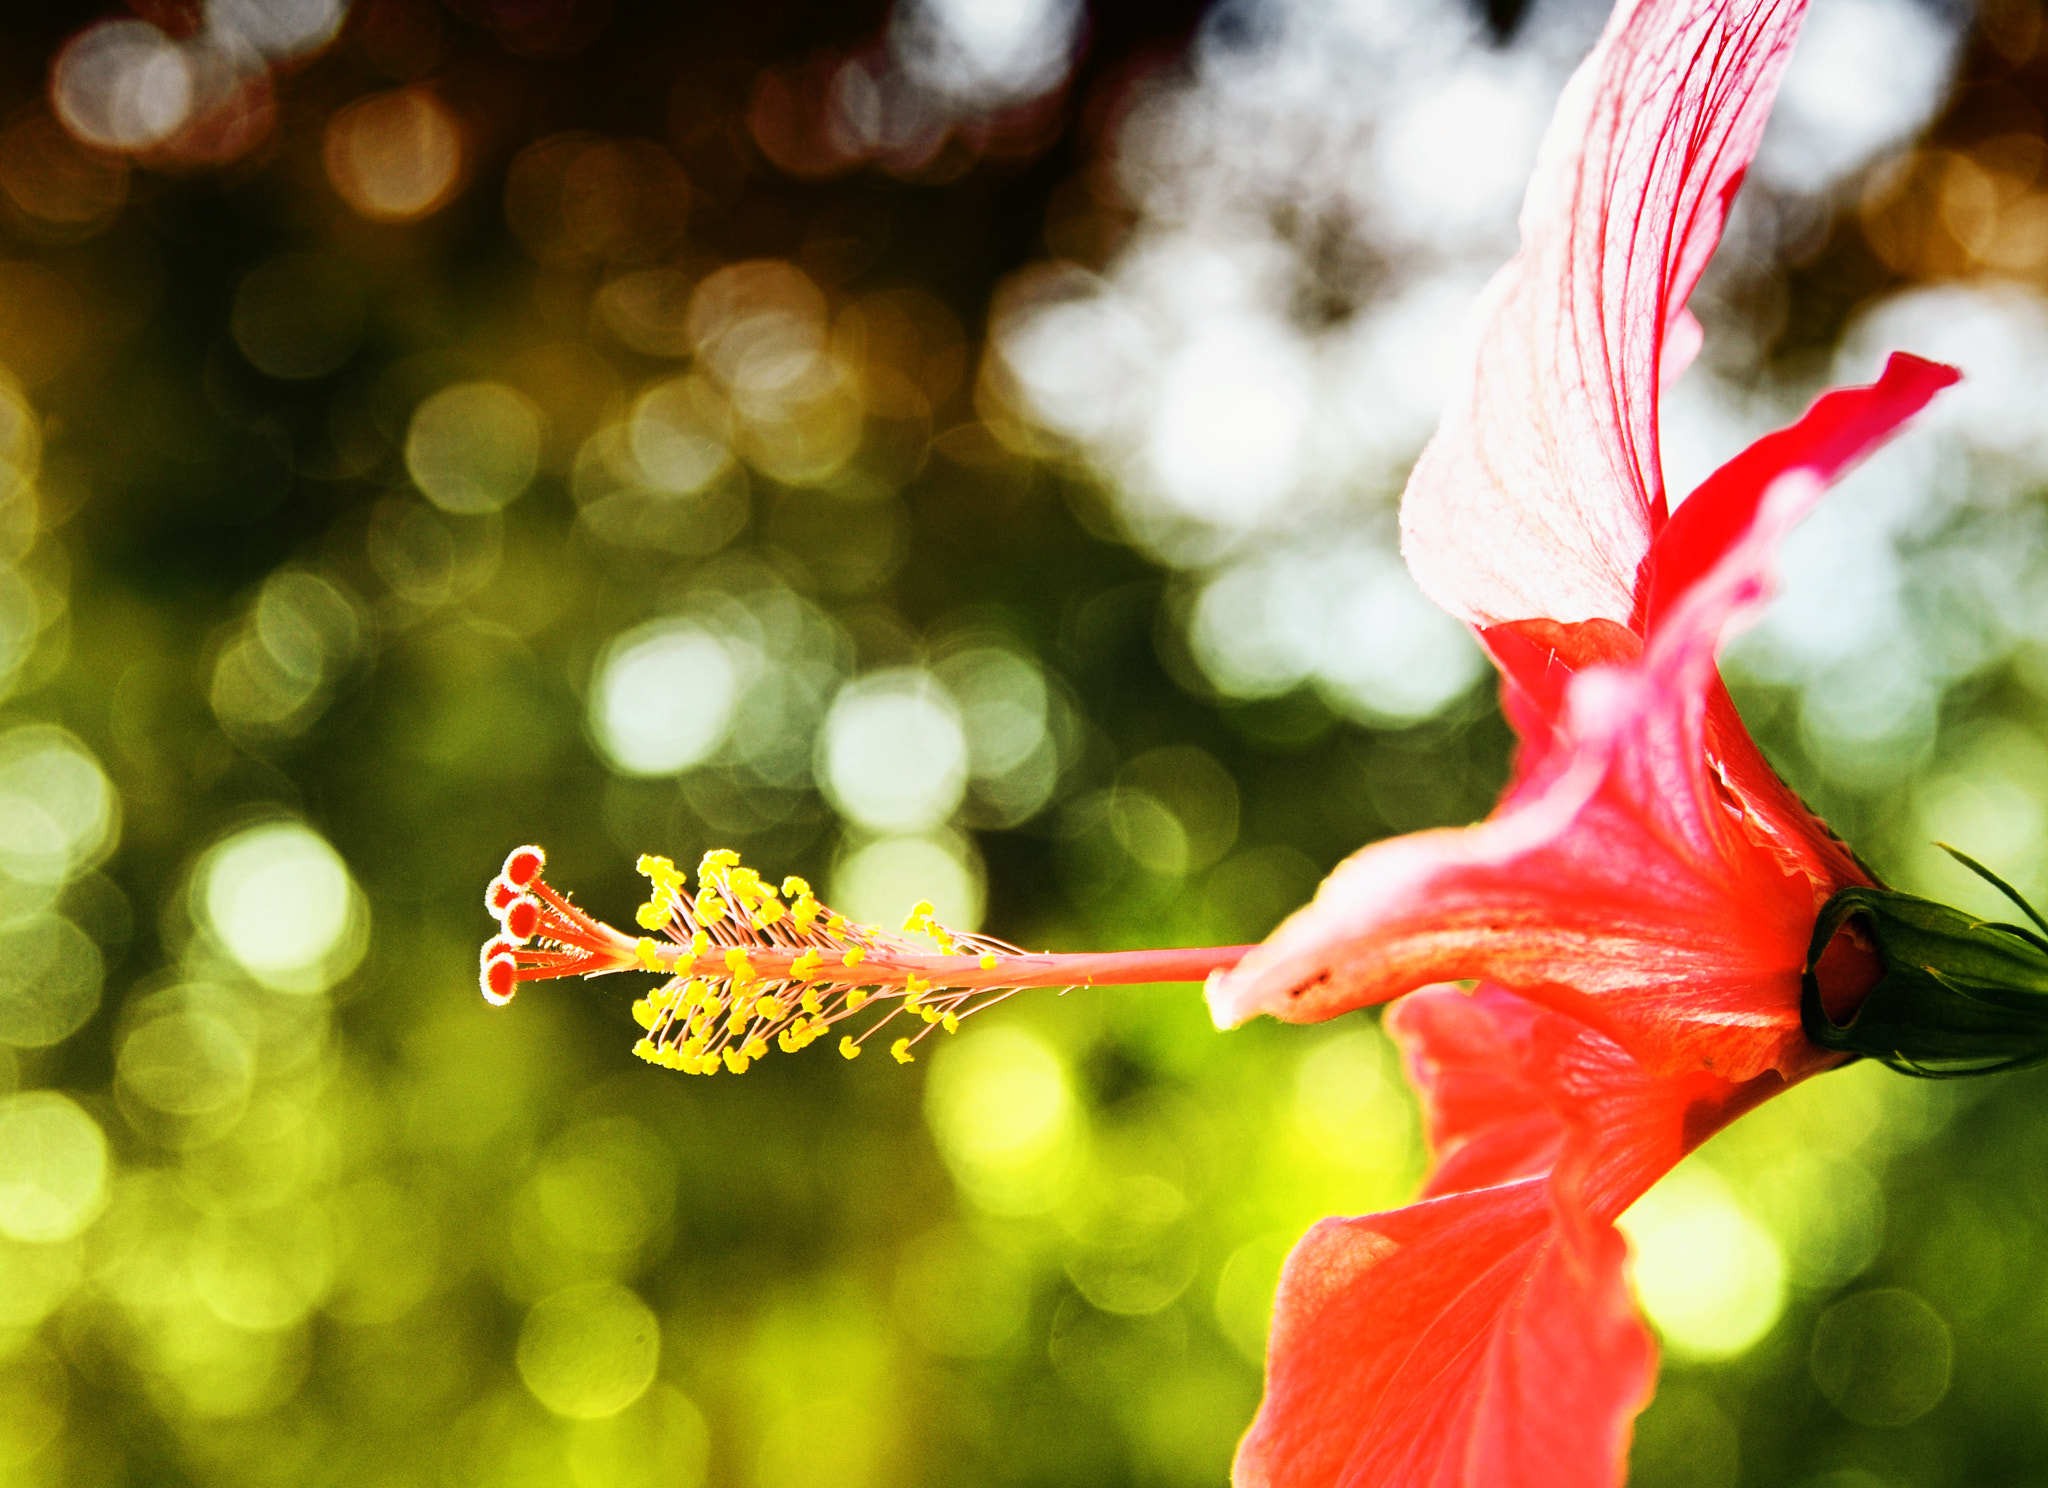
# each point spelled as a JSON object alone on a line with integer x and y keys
{"x": 900, "y": 1051}
{"x": 837, "y": 924}
{"x": 769, "y": 912}
{"x": 648, "y": 1050}
{"x": 854, "y": 999}
{"x": 854, "y": 955}
{"x": 717, "y": 858}
{"x": 952, "y": 1022}
{"x": 914, "y": 984}
{"x": 661, "y": 870}
{"x": 651, "y": 915}
{"x": 811, "y": 1001}
{"x": 646, "y": 1014}
{"x": 710, "y": 908}
{"x": 805, "y": 965}
{"x": 643, "y": 951}
{"x": 699, "y": 943}
{"x": 737, "y": 1021}
{"x": 737, "y": 963}
{"x": 988, "y": 961}
{"x": 793, "y": 886}
{"x": 848, "y": 1049}
{"x": 736, "y": 1061}
{"x": 804, "y": 911}
{"x": 755, "y": 1047}
{"x": 770, "y": 1007}
{"x": 929, "y": 1014}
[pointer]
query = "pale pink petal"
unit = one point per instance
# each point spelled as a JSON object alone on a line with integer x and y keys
{"x": 1543, "y": 489}
{"x": 1683, "y": 339}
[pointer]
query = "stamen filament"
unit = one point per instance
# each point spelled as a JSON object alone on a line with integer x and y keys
{"x": 745, "y": 969}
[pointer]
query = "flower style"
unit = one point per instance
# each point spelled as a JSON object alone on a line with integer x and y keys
{"x": 1638, "y": 909}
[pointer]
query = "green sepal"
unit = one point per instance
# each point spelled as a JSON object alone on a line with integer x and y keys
{"x": 1958, "y": 995}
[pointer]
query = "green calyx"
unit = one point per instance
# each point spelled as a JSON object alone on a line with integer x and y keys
{"x": 1958, "y": 995}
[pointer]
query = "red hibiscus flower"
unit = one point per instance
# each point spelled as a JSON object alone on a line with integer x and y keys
{"x": 1638, "y": 908}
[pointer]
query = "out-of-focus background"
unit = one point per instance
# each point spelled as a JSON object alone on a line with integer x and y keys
{"x": 946, "y": 449}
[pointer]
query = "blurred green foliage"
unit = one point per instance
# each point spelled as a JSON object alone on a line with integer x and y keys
{"x": 334, "y": 487}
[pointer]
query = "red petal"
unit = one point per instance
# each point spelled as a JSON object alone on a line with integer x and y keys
{"x": 1537, "y": 661}
{"x": 1456, "y": 1342}
{"x": 1489, "y": 1122}
{"x": 1636, "y": 881}
{"x": 1485, "y": 1338}
{"x": 1840, "y": 429}
{"x": 1542, "y": 491}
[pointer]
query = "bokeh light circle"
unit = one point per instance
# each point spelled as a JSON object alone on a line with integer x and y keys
{"x": 50, "y": 973}
{"x": 278, "y": 28}
{"x": 1711, "y": 1278}
{"x": 1882, "y": 1358}
{"x": 877, "y": 882}
{"x": 187, "y": 1062}
{"x": 894, "y": 753}
{"x": 1002, "y": 1108}
{"x": 283, "y": 905}
{"x": 395, "y": 156}
{"x": 589, "y": 1351}
{"x": 53, "y": 1167}
{"x": 680, "y": 435}
{"x": 473, "y": 447}
{"x": 122, "y": 85}
{"x": 58, "y": 812}
{"x": 663, "y": 698}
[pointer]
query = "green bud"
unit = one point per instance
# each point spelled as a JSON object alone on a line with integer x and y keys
{"x": 1958, "y": 995}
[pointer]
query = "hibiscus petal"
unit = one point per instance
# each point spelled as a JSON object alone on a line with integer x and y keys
{"x": 1542, "y": 491}
{"x": 1537, "y": 660}
{"x": 1455, "y": 1342}
{"x": 1649, "y": 874}
{"x": 1624, "y": 884}
{"x": 1841, "y": 428}
{"x": 1621, "y": 887}
{"x": 1468, "y": 1056}
{"x": 1484, "y": 1338}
